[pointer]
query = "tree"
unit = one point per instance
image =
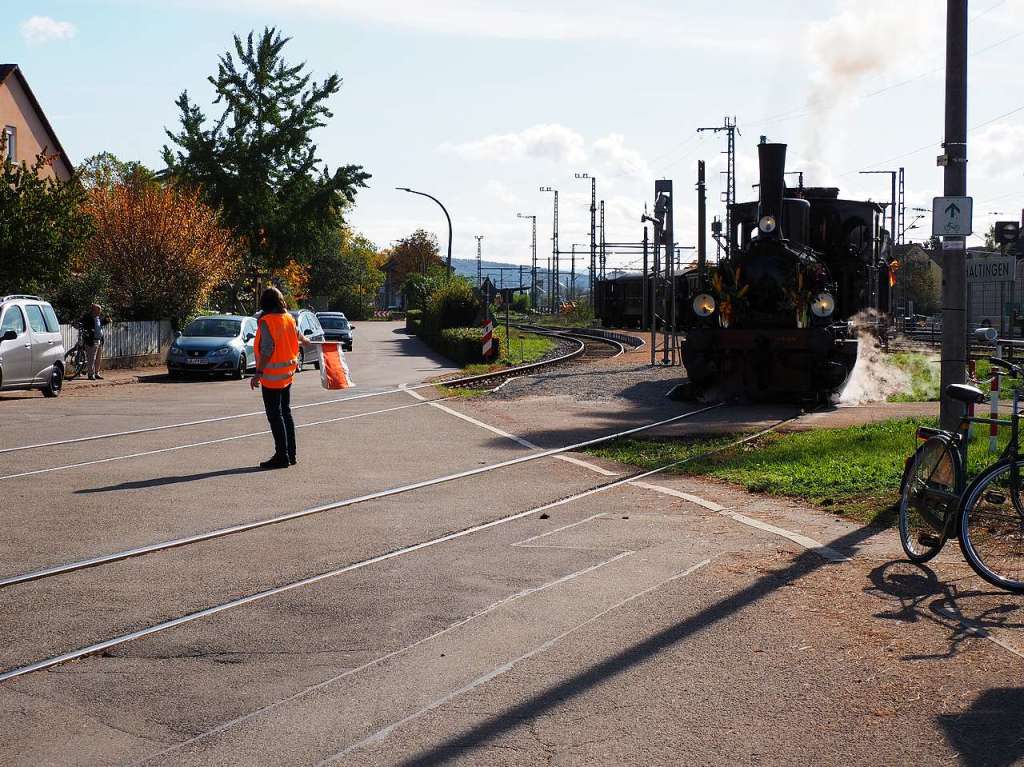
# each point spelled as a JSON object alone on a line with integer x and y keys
{"x": 415, "y": 254}
{"x": 163, "y": 250}
{"x": 105, "y": 170}
{"x": 347, "y": 277}
{"x": 43, "y": 227}
{"x": 257, "y": 162}
{"x": 917, "y": 281}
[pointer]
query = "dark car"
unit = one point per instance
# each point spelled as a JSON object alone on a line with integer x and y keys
{"x": 309, "y": 326}
{"x": 337, "y": 328}
{"x": 220, "y": 343}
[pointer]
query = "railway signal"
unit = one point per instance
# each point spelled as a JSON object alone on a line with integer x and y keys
{"x": 1007, "y": 232}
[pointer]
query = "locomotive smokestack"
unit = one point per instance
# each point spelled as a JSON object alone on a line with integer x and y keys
{"x": 772, "y": 161}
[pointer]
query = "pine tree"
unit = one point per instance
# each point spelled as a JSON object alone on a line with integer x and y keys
{"x": 257, "y": 162}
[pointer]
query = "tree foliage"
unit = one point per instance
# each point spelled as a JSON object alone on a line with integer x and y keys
{"x": 346, "y": 276}
{"x": 257, "y": 162}
{"x": 917, "y": 280}
{"x": 415, "y": 254}
{"x": 105, "y": 170}
{"x": 163, "y": 250}
{"x": 42, "y": 227}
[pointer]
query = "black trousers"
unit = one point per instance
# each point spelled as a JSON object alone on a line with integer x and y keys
{"x": 278, "y": 406}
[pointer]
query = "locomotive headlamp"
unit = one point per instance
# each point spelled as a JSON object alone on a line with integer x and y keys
{"x": 823, "y": 305}
{"x": 766, "y": 224}
{"x": 703, "y": 305}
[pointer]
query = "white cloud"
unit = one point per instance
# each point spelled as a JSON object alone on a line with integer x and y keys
{"x": 42, "y": 29}
{"x": 612, "y": 151}
{"x": 998, "y": 151}
{"x": 502, "y": 193}
{"x": 548, "y": 141}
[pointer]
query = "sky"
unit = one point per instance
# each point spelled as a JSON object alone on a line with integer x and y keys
{"x": 482, "y": 102}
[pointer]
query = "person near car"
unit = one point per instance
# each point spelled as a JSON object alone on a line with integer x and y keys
{"x": 277, "y": 355}
{"x": 92, "y": 338}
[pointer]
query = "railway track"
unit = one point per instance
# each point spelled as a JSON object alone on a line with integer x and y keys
{"x": 165, "y": 625}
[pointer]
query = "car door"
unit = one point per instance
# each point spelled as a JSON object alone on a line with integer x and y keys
{"x": 16, "y": 352}
{"x": 46, "y": 343}
{"x": 249, "y": 330}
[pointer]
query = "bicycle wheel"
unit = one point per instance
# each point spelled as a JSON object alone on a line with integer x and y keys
{"x": 74, "y": 363}
{"x": 992, "y": 526}
{"x": 928, "y": 493}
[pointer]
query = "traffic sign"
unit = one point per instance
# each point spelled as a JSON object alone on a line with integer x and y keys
{"x": 991, "y": 269}
{"x": 951, "y": 216}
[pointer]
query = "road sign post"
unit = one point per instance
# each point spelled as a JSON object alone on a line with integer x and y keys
{"x": 952, "y": 216}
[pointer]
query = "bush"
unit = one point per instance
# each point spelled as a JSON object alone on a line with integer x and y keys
{"x": 414, "y": 321}
{"x": 463, "y": 346}
{"x": 452, "y": 304}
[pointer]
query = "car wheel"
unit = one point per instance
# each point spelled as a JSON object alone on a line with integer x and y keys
{"x": 56, "y": 382}
{"x": 243, "y": 365}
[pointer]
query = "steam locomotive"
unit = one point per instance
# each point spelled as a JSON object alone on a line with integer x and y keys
{"x": 772, "y": 321}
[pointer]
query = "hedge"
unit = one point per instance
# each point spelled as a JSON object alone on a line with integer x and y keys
{"x": 463, "y": 346}
{"x": 414, "y": 321}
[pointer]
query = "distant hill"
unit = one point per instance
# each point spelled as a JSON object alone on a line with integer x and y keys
{"x": 507, "y": 275}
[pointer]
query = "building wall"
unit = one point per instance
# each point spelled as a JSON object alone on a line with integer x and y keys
{"x": 32, "y": 138}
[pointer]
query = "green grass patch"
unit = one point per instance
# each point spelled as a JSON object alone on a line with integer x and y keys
{"x": 853, "y": 471}
{"x": 524, "y": 348}
{"x": 923, "y": 370}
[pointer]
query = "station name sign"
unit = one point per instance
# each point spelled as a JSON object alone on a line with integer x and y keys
{"x": 991, "y": 269}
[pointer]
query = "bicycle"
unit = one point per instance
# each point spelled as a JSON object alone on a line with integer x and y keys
{"x": 986, "y": 515}
{"x": 75, "y": 360}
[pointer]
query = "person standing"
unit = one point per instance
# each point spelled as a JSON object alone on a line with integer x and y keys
{"x": 277, "y": 356}
{"x": 92, "y": 338}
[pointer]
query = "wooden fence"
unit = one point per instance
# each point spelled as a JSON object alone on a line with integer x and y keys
{"x": 129, "y": 342}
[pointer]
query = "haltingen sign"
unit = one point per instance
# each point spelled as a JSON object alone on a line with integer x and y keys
{"x": 990, "y": 269}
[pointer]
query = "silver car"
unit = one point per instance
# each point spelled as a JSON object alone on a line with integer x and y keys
{"x": 31, "y": 348}
{"x": 220, "y": 343}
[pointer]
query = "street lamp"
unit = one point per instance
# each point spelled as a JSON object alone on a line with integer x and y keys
{"x": 424, "y": 194}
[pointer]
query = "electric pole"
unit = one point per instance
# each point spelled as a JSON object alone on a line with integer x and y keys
{"x": 702, "y": 224}
{"x": 533, "y": 260}
{"x": 553, "y": 297}
{"x": 479, "y": 261}
{"x": 593, "y": 230}
{"x": 729, "y": 128}
{"x": 603, "y": 252}
{"x": 954, "y": 184}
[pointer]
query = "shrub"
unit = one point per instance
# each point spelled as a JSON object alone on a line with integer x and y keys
{"x": 414, "y": 321}
{"x": 452, "y": 304}
{"x": 463, "y": 346}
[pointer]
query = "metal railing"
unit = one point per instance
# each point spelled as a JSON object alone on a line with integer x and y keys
{"x": 128, "y": 340}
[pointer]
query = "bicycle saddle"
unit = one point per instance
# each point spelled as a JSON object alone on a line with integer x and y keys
{"x": 965, "y": 393}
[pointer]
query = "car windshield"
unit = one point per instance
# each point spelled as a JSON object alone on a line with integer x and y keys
{"x": 334, "y": 323}
{"x": 213, "y": 328}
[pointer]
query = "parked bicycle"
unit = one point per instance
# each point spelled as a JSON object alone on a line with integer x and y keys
{"x": 75, "y": 361}
{"x": 987, "y": 514}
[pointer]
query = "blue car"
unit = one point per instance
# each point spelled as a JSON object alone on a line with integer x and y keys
{"x": 221, "y": 343}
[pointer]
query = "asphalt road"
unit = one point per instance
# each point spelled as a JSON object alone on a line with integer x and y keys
{"x": 518, "y": 615}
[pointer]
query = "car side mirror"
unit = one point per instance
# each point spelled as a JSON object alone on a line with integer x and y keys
{"x": 351, "y": 327}
{"x": 177, "y": 334}
{"x": 249, "y": 336}
{"x": 10, "y": 335}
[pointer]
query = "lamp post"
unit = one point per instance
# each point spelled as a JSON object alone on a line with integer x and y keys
{"x": 554, "y": 252}
{"x": 533, "y": 262}
{"x": 424, "y": 194}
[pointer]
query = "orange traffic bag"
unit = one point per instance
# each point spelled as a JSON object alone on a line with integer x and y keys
{"x": 333, "y": 368}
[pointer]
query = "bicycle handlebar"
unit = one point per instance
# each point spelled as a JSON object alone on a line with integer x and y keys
{"x": 1009, "y": 367}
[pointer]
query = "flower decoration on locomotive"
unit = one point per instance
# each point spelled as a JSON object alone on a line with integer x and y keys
{"x": 729, "y": 294}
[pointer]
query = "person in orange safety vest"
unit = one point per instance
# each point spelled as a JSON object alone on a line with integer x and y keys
{"x": 277, "y": 356}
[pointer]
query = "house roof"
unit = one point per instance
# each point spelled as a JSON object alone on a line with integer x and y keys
{"x": 6, "y": 70}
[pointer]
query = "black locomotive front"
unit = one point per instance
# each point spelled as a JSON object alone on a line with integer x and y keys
{"x": 763, "y": 324}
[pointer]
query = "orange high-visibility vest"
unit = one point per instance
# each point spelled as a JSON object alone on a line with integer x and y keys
{"x": 280, "y": 366}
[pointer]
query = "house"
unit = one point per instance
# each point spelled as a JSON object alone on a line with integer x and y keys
{"x": 27, "y": 132}
{"x": 390, "y": 294}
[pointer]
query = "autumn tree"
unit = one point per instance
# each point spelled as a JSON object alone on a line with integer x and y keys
{"x": 256, "y": 161}
{"x": 164, "y": 250}
{"x": 347, "y": 276}
{"x": 415, "y": 254}
{"x": 43, "y": 226}
{"x": 106, "y": 170}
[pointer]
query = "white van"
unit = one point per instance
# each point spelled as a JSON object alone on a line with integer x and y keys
{"x": 31, "y": 348}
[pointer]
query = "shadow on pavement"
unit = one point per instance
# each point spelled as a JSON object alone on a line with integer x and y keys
{"x": 584, "y": 681}
{"x": 159, "y": 481}
{"x": 988, "y": 733}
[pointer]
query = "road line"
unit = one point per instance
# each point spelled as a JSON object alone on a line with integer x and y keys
{"x": 696, "y": 499}
{"x": 519, "y": 440}
{"x": 383, "y": 658}
{"x": 557, "y": 530}
{"x": 200, "y": 444}
{"x": 384, "y": 732}
{"x": 246, "y": 526}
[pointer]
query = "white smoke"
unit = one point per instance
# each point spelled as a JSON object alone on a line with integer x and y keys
{"x": 874, "y": 377}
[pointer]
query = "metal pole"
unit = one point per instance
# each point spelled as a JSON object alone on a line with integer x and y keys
{"x": 572, "y": 274}
{"x": 643, "y": 286}
{"x": 449, "y": 218}
{"x": 603, "y": 252}
{"x": 702, "y": 225}
{"x": 554, "y": 256}
{"x": 954, "y": 273}
{"x": 479, "y": 261}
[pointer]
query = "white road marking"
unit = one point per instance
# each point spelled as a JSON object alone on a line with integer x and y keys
{"x": 234, "y": 529}
{"x": 519, "y": 440}
{"x": 523, "y": 543}
{"x": 384, "y": 732}
{"x": 377, "y": 661}
{"x": 200, "y": 444}
{"x": 825, "y": 552}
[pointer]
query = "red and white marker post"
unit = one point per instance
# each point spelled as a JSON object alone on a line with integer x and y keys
{"x": 488, "y": 338}
{"x": 993, "y": 429}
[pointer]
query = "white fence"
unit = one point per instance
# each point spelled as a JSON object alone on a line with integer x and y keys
{"x": 128, "y": 340}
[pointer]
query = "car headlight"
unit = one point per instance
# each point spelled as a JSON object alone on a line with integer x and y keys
{"x": 703, "y": 305}
{"x": 767, "y": 224}
{"x": 222, "y": 351}
{"x": 823, "y": 305}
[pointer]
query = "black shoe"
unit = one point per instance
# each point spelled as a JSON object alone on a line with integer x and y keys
{"x": 92, "y": 377}
{"x": 98, "y": 377}
{"x": 291, "y": 460}
{"x": 275, "y": 463}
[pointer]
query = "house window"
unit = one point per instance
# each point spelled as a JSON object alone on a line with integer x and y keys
{"x": 10, "y": 143}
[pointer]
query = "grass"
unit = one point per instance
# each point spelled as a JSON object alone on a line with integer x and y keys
{"x": 853, "y": 471}
{"x": 525, "y": 348}
{"x": 923, "y": 370}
